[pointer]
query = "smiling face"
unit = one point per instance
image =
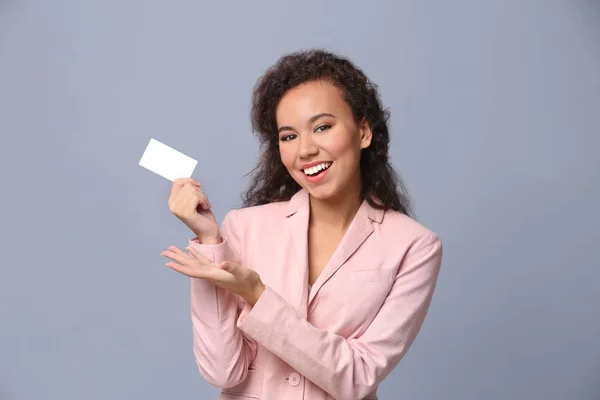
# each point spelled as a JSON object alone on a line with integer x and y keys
{"x": 319, "y": 141}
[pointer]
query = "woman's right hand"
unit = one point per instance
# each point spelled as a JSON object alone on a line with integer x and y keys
{"x": 189, "y": 203}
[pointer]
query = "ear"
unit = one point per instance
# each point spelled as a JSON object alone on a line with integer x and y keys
{"x": 365, "y": 134}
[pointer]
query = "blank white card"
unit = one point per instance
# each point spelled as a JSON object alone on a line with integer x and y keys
{"x": 166, "y": 161}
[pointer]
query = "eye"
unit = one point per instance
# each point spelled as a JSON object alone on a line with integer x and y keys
{"x": 286, "y": 138}
{"x": 323, "y": 127}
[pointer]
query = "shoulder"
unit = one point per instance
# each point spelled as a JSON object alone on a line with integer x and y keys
{"x": 400, "y": 229}
{"x": 410, "y": 242}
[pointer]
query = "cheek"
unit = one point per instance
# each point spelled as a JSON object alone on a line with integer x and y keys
{"x": 341, "y": 146}
{"x": 287, "y": 156}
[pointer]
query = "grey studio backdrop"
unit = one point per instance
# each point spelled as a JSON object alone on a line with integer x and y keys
{"x": 495, "y": 128}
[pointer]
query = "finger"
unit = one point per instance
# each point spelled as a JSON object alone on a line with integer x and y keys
{"x": 211, "y": 273}
{"x": 232, "y": 268}
{"x": 202, "y": 199}
{"x": 181, "y": 199}
{"x": 227, "y": 266}
{"x": 195, "y": 200}
{"x": 183, "y": 269}
{"x": 192, "y": 197}
{"x": 197, "y": 255}
{"x": 180, "y": 258}
{"x": 181, "y": 182}
{"x": 177, "y": 250}
{"x": 205, "y": 199}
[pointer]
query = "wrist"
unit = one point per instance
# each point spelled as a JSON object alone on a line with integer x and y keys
{"x": 255, "y": 294}
{"x": 209, "y": 240}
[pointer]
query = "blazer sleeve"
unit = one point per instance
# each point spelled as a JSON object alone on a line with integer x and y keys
{"x": 351, "y": 369}
{"x": 223, "y": 353}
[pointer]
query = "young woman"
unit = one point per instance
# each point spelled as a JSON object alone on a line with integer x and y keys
{"x": 318, "y": 286}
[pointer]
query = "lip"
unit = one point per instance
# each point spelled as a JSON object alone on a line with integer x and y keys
{"x": 315, "y": 180}
{"x": 313, "y": 164}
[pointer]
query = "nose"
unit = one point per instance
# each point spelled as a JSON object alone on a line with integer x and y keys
{"x": 307, "y": 147}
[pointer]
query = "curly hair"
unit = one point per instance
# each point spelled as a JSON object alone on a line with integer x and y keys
{"x": 271, "y": 181}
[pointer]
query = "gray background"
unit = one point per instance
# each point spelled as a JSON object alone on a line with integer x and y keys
{"x": 495, "y": 119}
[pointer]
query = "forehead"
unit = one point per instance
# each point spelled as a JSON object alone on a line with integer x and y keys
{"x": 304, "y": 101}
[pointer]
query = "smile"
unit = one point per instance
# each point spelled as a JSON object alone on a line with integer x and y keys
{"x": 317, "y": 169}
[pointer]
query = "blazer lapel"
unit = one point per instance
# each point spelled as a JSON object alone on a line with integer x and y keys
{"x": 298, "y": 213}
{"x": 359, "y": 230}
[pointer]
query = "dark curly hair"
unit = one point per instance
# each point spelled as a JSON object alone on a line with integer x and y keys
{"x": 271, "y": 182}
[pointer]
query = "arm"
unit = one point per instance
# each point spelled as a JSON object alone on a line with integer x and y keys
{"x": 222, "y": 352}
{"x": 350, "y": 369}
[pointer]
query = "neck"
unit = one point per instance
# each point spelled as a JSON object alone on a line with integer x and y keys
{"x": 335, "y": 213}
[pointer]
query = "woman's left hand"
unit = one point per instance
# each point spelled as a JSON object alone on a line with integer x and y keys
{"x": 229, "y": 275}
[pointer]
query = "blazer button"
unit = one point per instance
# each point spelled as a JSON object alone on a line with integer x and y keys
{"x": 294, "y": 379}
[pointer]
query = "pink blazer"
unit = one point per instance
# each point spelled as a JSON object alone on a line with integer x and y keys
{"x": 339, "y": 339}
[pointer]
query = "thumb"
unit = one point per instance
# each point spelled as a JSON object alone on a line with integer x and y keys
{"x": 228, "y": 266}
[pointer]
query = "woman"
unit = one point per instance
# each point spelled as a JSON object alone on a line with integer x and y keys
{"x": 318, "y": 286}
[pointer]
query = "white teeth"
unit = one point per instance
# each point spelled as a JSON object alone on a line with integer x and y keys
{"x": 317, "y": 168}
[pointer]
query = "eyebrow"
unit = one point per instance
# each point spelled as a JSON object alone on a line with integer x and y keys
{"x": 310, "y": 120}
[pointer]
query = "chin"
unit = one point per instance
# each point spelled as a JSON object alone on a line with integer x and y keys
{"x": 321, "y": 192}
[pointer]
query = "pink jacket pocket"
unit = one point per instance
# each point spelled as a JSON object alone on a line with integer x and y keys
{"x": 371, "y": 275}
